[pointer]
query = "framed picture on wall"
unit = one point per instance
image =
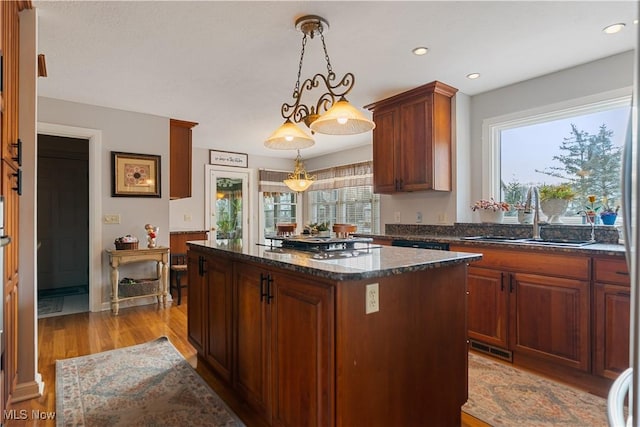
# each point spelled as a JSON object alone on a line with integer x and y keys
{"x": 135, "y": 175}
{"x": 228, "y": 158}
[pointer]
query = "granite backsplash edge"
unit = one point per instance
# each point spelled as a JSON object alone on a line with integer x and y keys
{"x": 603, "y": 234}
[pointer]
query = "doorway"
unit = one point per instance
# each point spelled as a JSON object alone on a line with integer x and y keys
{"x": 62, "y": 225}
{"x": 227, "y": 201}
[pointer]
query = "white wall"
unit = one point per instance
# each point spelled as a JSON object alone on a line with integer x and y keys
{"x": 194, "y": 206}
{"x": 127, "y": 132}
{"x": 604, "y": 75}
{"x": 607, "y": 74}
{"x": 435, "y": 207}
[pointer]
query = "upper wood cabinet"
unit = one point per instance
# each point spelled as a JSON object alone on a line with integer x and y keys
{"x": 180, "y": 158}
{"x": 412, "y": 140}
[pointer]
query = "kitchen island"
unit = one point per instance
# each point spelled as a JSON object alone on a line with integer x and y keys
{"x": 373, "y": 337}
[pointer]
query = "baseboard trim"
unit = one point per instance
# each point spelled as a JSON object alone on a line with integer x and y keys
{"x": 28, "y": 390}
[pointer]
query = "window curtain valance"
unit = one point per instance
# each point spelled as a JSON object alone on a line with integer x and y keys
{"x": 353, "y": 175}
{"x": 271, "y": 181}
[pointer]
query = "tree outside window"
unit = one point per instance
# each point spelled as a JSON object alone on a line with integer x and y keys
{"x": 584, "y": 151}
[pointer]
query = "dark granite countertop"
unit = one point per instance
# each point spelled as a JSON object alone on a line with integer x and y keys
{"x": 592, "y": 249}
{"x": 377, "y": 261}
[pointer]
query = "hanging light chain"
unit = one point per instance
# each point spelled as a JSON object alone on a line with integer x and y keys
{"x": 299, "y": 112}
{"x": 296, "y": 90}
{"x": 326, "y": 54}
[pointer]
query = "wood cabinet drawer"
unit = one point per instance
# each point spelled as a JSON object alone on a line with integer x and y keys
{"x": 570, "y": 266}
{"x": 611, "y": 270}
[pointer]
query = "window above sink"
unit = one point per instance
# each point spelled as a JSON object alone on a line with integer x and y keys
{"x": 542, "y": 146}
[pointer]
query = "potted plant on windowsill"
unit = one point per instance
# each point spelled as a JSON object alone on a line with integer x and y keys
{"x": 590, "y": 210}
{"x": 554, "y": 200}
{"x": 490, "y": 210}
{"x": 524, "y": 217}
{"x": 609, "y": 214}
{"x": 320, "y": 229}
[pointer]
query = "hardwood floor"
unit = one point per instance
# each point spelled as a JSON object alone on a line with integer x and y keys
{"x": 87, "y": 333}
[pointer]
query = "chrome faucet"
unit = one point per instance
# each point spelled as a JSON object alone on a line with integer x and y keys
{"x": 534, "y": 193}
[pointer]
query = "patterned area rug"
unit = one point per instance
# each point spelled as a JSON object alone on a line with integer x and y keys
{"x": 50, "y": 305}
{"x": 143, "y": 385}
{"x": 504, "y": 396}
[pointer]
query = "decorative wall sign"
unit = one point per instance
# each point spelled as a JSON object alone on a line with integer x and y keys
{"x": 228, "y": 158}
{"x": 135, "y": 175}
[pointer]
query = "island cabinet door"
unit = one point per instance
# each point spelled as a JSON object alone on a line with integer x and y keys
{"x": 218, "y": 314}
{"x": 303, "y": 352}
{"x": 487, "y": 306}
{"x": 195, "y": 307}
{"x": 252, "y": 320}
{"x": 551, "y": 319}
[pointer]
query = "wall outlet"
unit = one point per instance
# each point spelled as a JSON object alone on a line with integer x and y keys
{"x": 112, "y": 219}
{"x": 187, "y": 217}
{"x": 372, "y": 298}
{"x": 442, "y": 218}
{"x": 418, "y": 217}
{"x": 396, "y": 217}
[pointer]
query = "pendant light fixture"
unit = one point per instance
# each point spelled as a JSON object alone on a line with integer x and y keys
{"x": 299, "y": 180}
{"x": 332, "y": 114}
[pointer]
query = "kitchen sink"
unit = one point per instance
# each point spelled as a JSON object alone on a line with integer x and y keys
{"x": 496, "y": 238}
{"x": 570, "y": 243}
{"x": 559, "y": 242}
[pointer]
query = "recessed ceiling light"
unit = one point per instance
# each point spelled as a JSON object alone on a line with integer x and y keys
{"x": 473, "y": 76}
{"x": 635, "y": 21}
{"x": 614, "y": 28}
{"x": 420, "y": 51}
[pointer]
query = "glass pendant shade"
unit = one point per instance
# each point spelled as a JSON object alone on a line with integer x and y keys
{"x": 298, "y": 185}
{"x": 288, "y": 137}
{"x": 342, "y": 119}
{"x": 299, "y": 180}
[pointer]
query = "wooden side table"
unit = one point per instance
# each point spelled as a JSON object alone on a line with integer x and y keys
{"x": 127, "y": 256}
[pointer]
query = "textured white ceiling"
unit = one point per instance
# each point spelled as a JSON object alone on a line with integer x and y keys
{"x": 231, "y": 65}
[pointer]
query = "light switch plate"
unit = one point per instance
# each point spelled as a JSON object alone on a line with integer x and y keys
{"x": 112, "y": 219}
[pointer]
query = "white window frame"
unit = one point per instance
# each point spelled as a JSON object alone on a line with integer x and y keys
{"x": 493, "y": 127}
{"x": 340, "y": 205}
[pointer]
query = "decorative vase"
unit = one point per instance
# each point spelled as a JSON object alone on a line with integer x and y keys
{"x": 525, "y": 218}
{"x": 590, "y": 218}
{"x": 325, "y": 233}
{"x": 488, "y": 215}
{"x": 554, "y": 209}
{"x": 608, "y": 218}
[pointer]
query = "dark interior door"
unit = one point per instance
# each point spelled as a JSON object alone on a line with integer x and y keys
{"x": 63, "y": 212}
